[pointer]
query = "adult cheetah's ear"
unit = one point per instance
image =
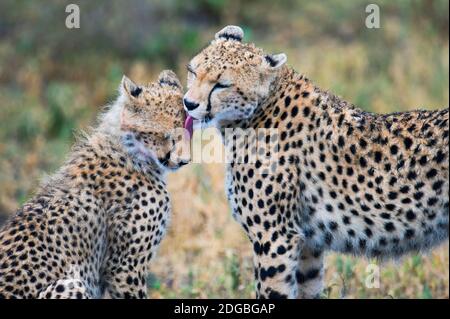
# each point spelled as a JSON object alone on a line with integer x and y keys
{"x": 230, "y": 32}
{"x": 129, "y": 88}
{"x": 168, "y": 77}
{"x": 274, "y": 61}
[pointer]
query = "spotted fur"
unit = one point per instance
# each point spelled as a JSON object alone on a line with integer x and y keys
{"x": 345, "y": 180}
{"x": 93, "y": 227}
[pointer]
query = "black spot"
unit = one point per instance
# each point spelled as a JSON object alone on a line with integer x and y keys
{"x": 333, "y": 225}
{"x": 60, "y": 288}
{"x": 257, "y": 248}
{"x": 390, "y": 207}
{"x": 260, "y": 203}
{"x": 287, "y": 101}
{"x": 412, "y": 175}
{"x": 346, "y": 220}
{"x": 440, "y": 156}
{"x": 410, "y": 215}
{"x": 306, "y": 111}
{"x": 272, "y": 210}
{"x": 438, "y": 185}
{"x": 312, "y": 273}
{"x": 409, "y": 233}
{"x": 362, "y": 143}
{"x": 408, "y": 142}
{"x": 432, "y": 201}
{"x": 266, "y": 247}
{"x": 392, "y": 195}
{"x": 431, "y": 173}
{"x": 394, "y": 149}
{"x": 281, "y": 250}
{"x": 341, "y": 141}
{"x": 389, "y": 226}
{"x": 378, "y": 156}
{"x": 362, "y": 162}
{"x": 404, "y": 189}
{"x": 423, "y": 160}
{"x": 418, "y": 195}
{"x": 385, "y": 215}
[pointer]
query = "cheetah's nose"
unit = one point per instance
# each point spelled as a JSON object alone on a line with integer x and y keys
{"x": 190, "y": 105}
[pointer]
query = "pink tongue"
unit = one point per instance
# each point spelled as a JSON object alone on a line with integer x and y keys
{"x": 189, "y": 125}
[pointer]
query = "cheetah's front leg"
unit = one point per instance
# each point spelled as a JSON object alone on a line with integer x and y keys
{"x": 276, "y": 264}
{"x": 310, "y": 273}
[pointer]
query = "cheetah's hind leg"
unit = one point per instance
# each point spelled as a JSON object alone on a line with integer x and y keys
{"x": 65, "y": 289}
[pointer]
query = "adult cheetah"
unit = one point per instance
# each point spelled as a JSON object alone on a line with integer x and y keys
{"x": 343, "y": 179}
{"x": 93, "y": 227}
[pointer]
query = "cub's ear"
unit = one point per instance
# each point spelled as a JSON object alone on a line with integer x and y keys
{"x": 230, "y": 32}
{"x": 129, "y": 88}
{"x": 274, "y": 61}
{"x": 168, "y": 77}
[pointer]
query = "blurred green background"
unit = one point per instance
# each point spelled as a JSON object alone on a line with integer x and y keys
{"x": 54, "y": 80}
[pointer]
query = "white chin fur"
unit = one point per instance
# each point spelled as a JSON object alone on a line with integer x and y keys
{"x": 232, "y": 115}
{"x": 222, "y": 117}
{"x": 198, "y": 114}
{"x": 139, "y": 152}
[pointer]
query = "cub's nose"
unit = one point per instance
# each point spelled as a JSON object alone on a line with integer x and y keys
{"x": 190, "y": 105}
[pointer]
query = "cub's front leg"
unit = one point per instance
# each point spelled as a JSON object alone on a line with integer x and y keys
{"x": 128, "y": 254}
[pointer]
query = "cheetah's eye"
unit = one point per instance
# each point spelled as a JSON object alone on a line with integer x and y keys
{"x": 191, "y": 70}
{"x": 221, "y": 85}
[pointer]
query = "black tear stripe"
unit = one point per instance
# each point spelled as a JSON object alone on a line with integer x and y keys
{"x": 216, "y": 86}
{"x": 208, "y": 107}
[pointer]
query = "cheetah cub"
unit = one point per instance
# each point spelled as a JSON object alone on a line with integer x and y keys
{"x": 93, "y": 227}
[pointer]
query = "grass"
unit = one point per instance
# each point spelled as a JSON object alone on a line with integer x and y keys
{"x": 47, "y": 93}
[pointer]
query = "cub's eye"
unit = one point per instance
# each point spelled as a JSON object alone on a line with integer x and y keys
{"x": 221, "y": 85}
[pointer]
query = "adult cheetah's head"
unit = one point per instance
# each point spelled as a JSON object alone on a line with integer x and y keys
{"x": 229, "y": 79}
{"x": 152, "y": 119}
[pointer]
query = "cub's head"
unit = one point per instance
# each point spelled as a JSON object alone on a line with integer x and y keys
{"x": 151, "y": 121}
{"x": 229, "y": 78}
